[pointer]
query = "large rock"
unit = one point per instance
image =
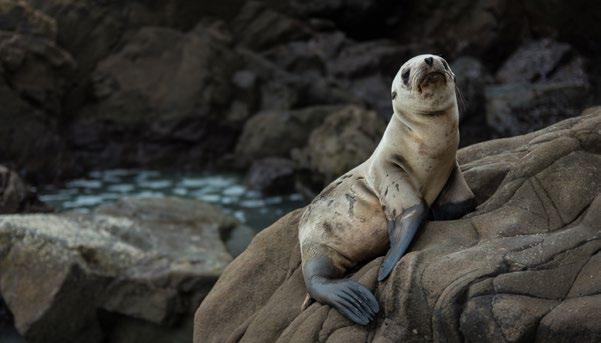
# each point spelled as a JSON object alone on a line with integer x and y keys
{"x": 275, "y": 133}
{"x": 522, "y": 267}
{"x": 542, "y": 83}
{"x": 165, "y": 98}
{"x": 131, "y": 271}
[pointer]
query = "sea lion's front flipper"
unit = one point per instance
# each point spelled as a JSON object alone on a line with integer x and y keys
{"x": 401, "y": 232}
{"x": 456, "y": 198}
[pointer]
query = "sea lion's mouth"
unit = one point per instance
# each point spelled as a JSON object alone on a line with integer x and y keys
{"x": 433, "y": 77}
{"x": 431, "y": 80}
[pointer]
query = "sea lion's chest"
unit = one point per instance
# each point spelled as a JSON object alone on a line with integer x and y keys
{"x": 429, "y": 153}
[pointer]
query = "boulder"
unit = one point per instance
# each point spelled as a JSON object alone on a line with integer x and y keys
{"x": 522, "y": 267}
{"x": 127, "y": 271}
{"x": 345, "y": 139}
{"x": 541, "y": 83}
{"x": 275, "y": 133}
{"x": 16, "y": 196}
{"x": 166, "y": 98}
{"x": 271, "y": 176}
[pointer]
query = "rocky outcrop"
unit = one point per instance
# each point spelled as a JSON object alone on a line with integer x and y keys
{"x": 132, "y": 271}
{"x": 522, "y": 267}
{"x": 168, "y": 92}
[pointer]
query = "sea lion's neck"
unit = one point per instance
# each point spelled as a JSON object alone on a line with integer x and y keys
{"x": 409, "y": 134}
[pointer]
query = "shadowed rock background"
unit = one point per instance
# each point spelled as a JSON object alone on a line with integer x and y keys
{"x": 215, "y": 84}
{"x": 291, "y": 93}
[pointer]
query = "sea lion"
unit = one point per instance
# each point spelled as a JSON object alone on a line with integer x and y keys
{"x": 381, "y": 203}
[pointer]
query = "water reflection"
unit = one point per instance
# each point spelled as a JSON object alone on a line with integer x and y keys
{"x": 225, "y": 190}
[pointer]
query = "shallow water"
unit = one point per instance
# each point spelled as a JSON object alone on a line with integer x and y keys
{"x": 225, "y": 190}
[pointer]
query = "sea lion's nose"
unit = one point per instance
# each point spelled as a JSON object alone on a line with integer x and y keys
{"x": 429, "y": 60}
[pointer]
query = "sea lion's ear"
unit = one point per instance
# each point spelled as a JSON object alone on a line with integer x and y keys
{"x": 456, "y": 198}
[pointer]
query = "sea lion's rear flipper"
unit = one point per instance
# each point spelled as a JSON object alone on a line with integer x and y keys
{"x": 456, "y": 198}
{"x": 401, "y": 232}
{"x": 349, "y": 297}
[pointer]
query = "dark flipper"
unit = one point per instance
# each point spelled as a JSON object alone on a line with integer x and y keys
{"x": 456, "y": 198}
{"x": 400, "y": 233}
{"x": 450, "y": 211}
{"x": 349, "y": 297}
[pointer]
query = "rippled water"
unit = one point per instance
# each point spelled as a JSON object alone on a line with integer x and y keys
{"x": 225, "y": 190}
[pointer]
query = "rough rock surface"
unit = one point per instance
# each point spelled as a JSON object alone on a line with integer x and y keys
{"x": 16, "y": 196}
{"x": 133, "y": 271}
{"x": 523, "y": 267}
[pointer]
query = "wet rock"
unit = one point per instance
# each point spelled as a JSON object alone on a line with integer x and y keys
{"x": 271, "y": 176}
{"x": 542, "y": 82}
{"x": 346, "y": 138}
{"x": 502, "y": 273}
{"x": 141, "y": 264}
{"x": 276, "y": 133}
{"x": 16, "y": 196}
{"x": 164, "y": 99}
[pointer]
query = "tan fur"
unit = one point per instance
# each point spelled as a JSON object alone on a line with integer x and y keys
{"x": 413, "y": 161}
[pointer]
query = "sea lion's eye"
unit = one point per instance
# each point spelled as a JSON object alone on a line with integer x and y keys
{"x": 445, "y": 64}
{"x": 405, "y": 76}
{"x": 393, "y": 95}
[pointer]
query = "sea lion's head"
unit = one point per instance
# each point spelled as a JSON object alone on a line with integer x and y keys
{"x": 425, "y": 85}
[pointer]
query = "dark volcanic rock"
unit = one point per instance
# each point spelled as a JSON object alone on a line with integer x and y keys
{"x": 271, "y": 176}
{"x": 521, "y": 267}
{"x": 542, "y": 82}
{"x": 129, "y": 270}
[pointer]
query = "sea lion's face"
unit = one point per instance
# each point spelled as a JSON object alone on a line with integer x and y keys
{"x": 424, "y": 85}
